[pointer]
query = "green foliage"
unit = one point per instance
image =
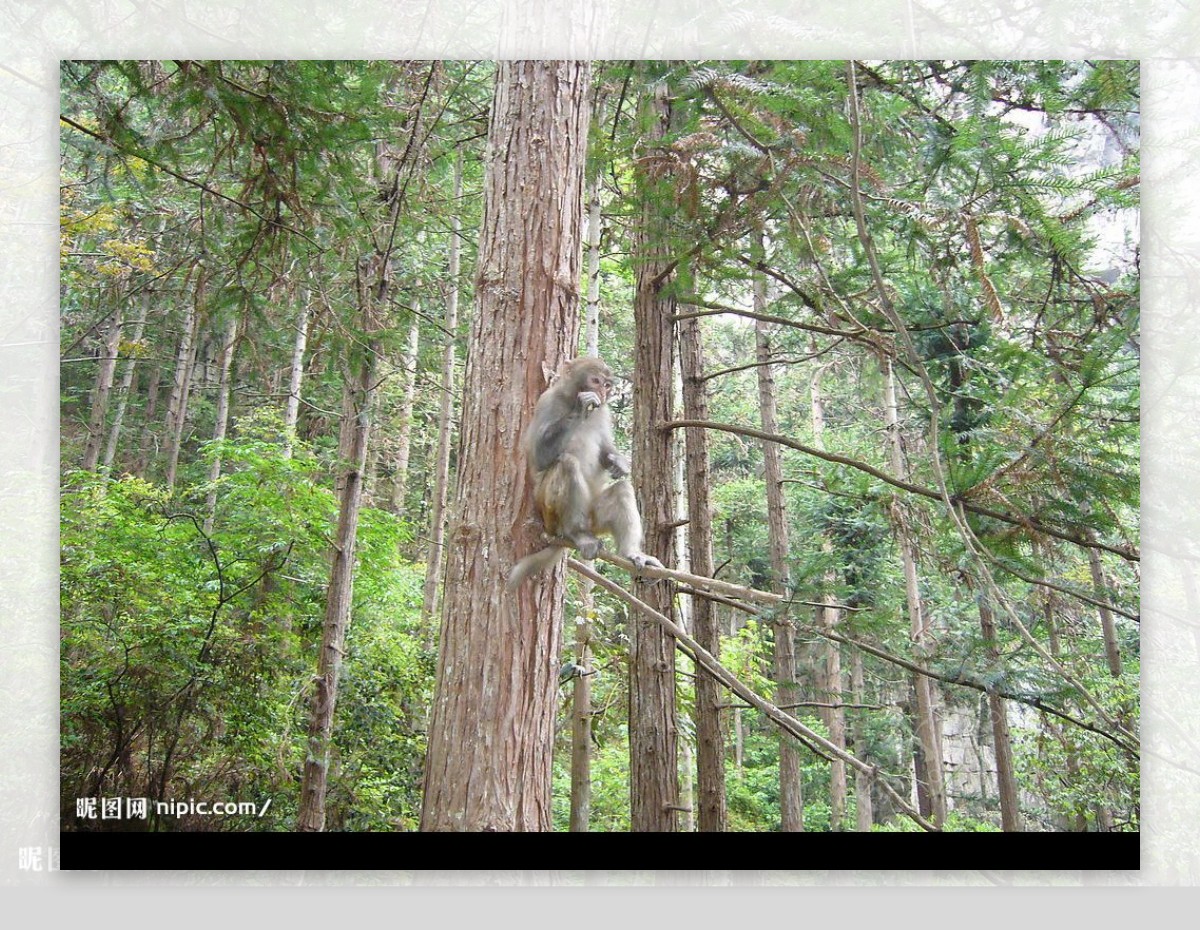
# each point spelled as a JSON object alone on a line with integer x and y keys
{"x": 752, "y": 789}
{"x": 184, "y": 654}
{"x": 386, "y": 685}
{"x": 610, "y": 787}
{"x": 752, "y": 796}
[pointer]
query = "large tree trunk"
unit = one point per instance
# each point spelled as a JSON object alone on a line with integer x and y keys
{"x": 787, "y": 694}
{"x": 441, "y": 469}
{"x": 653, "y": 765}
{"x": 931, "y": 791}
{"x": 491, "y": 733}
{"x": 710, "y": 741}
{"x": 104, "y": 382}
{"x": 358, "y": 402}
{"x": 135, "y": 341}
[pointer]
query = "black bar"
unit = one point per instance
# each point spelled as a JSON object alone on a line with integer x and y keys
{"x": 366, "y": 851}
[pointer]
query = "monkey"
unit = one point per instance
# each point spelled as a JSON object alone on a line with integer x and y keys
{"x": 581, "y": 482}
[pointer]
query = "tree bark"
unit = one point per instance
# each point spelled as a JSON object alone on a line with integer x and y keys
{"x": 441, "y": 477}
{"x": 491, "y": 732}
{"x": 653, "y": 760}
{"x": 739, "y": 735}
{"x": 787, "y": 693}
{"x": 710, "y": 740}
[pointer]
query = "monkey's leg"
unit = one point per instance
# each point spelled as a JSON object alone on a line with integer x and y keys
{"x": 565, "y": 500}
{"x": 615, "y": 512}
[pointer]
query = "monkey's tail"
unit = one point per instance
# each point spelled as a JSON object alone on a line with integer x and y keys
{"x": 533, "y": 564}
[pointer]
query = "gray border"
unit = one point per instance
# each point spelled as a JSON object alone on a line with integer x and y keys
{"x": 36, "y": 33}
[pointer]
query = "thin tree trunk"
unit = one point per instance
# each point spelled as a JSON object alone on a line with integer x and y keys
{"x": 787, "y": 694}
{"x": 653, "y": 760}
{"x": 103, "y": 387}
{"x": 491, "y": 732}
{"x": 404, "y": 418}
{"x": 291, "y": 415}
{"x": 827, "y": 618}
{"x": 592, "y": 321}
{"x": 581, "y": 718}
{"x": 739, "y": 736}
{"x": 222, "y": 419}
{"x": 357, "y": 404}
{"x": 114, "y": 432}
{"x": 148, "y": 417}
{"x": 185, "y": 360}
{"x": 931, "y": 791}
{"x": 441, "y": 481}
{"x": 928, "y": 762}
{"x": 687, "y": 792}
{"x": 1078, "y": 818}
{"x": 710, "y": 742}
{"x": 1006, "y": 779}
{"x": 864, "y": 805}
{"x": 1108, "y": 627}
{"x": 581, "y": 692}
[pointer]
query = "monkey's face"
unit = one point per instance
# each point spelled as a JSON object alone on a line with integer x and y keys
{"x": 591, "y": 374}
{"x": 599, "y": 382}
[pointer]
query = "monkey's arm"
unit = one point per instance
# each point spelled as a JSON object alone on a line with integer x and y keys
{"x": 553, "y": 423}
{"x": 548, "y": 444}
{"x": 613, "y": 461}
{"x": 616, "y": 463}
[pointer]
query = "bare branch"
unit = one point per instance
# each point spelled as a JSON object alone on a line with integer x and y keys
{"x": 809, "y": 738}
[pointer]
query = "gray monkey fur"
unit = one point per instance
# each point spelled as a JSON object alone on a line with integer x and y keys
{"x": 581, "y": 486}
